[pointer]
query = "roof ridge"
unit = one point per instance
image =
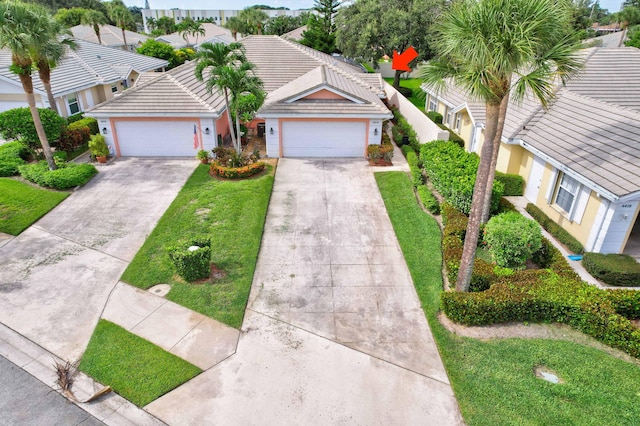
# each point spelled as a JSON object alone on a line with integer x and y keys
{"x": 189, "y": 92}
{"x": 85, "y": 65}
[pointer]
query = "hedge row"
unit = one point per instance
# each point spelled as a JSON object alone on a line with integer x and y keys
{"x": 67, "y": 175}
{"x": 88, "y": 122}
{"x": 12, "y": 155}
{"x": 555, "y": 294}
{"x": 513, "y": 184}
{"x": 403, "y": 128}
{"x": 452, "y": 172}
{"x": 429, "y": 201}
{"x": 236, "y": 172}
{"x": 554, "y": 229}
{"x": 613, "y": 269}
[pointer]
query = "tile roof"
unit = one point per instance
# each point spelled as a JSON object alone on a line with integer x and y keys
{"x": 295, "y": 35}
{"x": 110, "y": 35}
{"x": 88, "y": 66}
{"x": 213, "y": 34}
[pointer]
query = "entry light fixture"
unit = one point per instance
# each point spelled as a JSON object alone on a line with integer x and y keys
{"x": 206, "y": 131}
{"x": 271, "y": 130}
{"x": 104, "y": 130}
{"x": 375, "y": 132}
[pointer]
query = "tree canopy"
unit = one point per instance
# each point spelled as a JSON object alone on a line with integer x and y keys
{"x": 321, "y": 28}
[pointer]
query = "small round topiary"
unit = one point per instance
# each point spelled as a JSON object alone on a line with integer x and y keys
{"x": 512, "y": 239}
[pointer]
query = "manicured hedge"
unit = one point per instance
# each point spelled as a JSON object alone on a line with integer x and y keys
{"x": 613, "y": 269}
{"x": 380, "y": 152}
{"x": 12, "y": 156}
{"x": 434, "y": 116}
{"x": 68, "y": 175}
{"x": 513, "y": 184}
{"x": 88, "y": 122}
{"x": 452, "y": 172}
{"x": 236, "y": 173}
{"x": 429, "y": 201}
{"x": 417, "y": 178}
{"x": 554, "y": 229}
{"x": 192, "y": 265}
{"x": 405, "y": 91}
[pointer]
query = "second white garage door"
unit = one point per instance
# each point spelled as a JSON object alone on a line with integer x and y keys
{"x": 323, "y": 138}
{"x": 155, "y": 138}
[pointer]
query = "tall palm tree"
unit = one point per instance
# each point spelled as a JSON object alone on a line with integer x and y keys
{"x": 94, "y": 18}
{"x": 497, "y": 49}
{"x": 254, "y": 19}
{"x": 190, "y": 27}
{"x": 48, "y": 55}
{"x": 122, "y": 17}
{"x": 21, "y": 33}
{"x": 235, "y": 25}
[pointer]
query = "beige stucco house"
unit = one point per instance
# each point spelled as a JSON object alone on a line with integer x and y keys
{"x": 580, "y": 158}
{"x": 85, "y": 77}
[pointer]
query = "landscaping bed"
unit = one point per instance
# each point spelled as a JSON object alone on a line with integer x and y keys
{"x": 229, "y": 212}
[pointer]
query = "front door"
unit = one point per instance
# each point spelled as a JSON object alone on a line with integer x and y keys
{"x": 534, "y": 180}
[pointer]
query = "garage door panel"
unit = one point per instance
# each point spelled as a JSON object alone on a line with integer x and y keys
{"x": 323, "y": 138}
{"x": 155, "y": 138}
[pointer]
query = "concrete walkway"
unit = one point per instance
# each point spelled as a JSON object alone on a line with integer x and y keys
{"x": 334, "y": 332}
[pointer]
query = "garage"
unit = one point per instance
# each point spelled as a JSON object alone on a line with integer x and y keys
{"x": 323, "y": 138}
{"x": 155, "y": 138}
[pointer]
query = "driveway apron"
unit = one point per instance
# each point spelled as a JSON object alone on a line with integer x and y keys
{"x": 57, "y": 275}
{"x": 334, "y": 332}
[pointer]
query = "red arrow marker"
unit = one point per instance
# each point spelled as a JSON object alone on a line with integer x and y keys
{"x": 401, "y": 62}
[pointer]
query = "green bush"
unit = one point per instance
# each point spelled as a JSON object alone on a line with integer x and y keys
{"x": 543, "y": 257}
{"x": 98, "y": 146}
{"x": 406, "y": 149}
{"x": 626, "y": 302}
{"x": 68, "y": 175}
{"x": 512, "y": 239}
{"x": 405, "y": 91}
{"x": 416, "y": 172}
{"x": 382, "y": 152}
{"x": 397, "y": 136}
{"x": 89, "y": 122}
{"x": 434, "y": 116}
{"x": 12, "y": 155}
{"x": 613, "y": 269}
{"x": 452, "y": 171}
{"x": 429, "y": 201}
{"x": 17, "y": 124}
{"x": 72, "y": 139}
{"x": 513, "y": 184}
{"x": 192, "y": 265}
{"x": 554, "y": 229}
{"x": 236, "y": 172}
{"x": 75, "y": 117}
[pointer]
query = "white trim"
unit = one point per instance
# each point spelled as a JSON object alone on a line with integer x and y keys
{"x": 150, "y": 115}
{"x": 583, "y": 196}
{"x": 380, "y": 116}
{"x": 598, "y": 223}
{"x": 552, "y": 186}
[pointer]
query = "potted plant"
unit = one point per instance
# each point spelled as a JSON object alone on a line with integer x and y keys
{"x": 203, "y": 156}
{"x": 99, "y": 148}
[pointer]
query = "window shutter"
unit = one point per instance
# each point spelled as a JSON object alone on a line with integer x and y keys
{"x": 581, "y": 206}
{"x": 552, "y": 185}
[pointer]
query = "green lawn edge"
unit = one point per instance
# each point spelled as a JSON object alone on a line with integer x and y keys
{"x": 135, "y": 368}
{"x": 232, "y": 214}
{"x": 418, "y": 96}
{"x": 21, "y": 204}
{"x": 493, "y": 380}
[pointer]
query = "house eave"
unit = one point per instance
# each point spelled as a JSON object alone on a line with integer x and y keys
{"x": 380, "y": 116}
{"x": 214, "y": 115}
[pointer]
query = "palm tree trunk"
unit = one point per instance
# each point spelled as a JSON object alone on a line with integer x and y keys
{"x": 239, "y": 146}
{"x": 96, "y": 28}
{"x": 27, "y": 85}
{"x": 44, "y": 72}
{"x": 124, "y": 39}
{"x": 486, "y": 210}
{"x": 477, "y": 202}
{"x": 230, "y": 121}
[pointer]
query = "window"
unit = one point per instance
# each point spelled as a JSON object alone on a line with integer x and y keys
{"x": 458, "y": 125}
{"x": 566, "y": 193}
{"x": 114, "y": 88}
{"x": 433, "y": 105}
{"x": 447, "y": 116}
{"x": 74, "y": 105}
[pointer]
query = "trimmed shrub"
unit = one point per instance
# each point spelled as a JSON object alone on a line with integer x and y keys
{"x": 512, "y": 239}
{"x": 75, "y": 117}
{"x": 397, "y": 136}
{"x": 416, "y": 172}
{"x": 12, "y": 155}
{"x": 625, "y": 302}
{"x": 98, "y": 146}
{"x": 382, "y": 152}
{"x": 68, "y": 175}
{"x": 434, "y": 116}
{"x": 89, "y": 122}
{"x": 17, "y": 124}
{"x": 72, "y": 139}
{"x": 406, "y": 149}
{"x": 554, "y": 229}
{"x": 429, "y": 201}
{"x": 513, "y": 184}
{"x": 405, "y": 91}
{"x": 544, "y": 255}
{"x": 236, "y": 172}
{"x": 194, "y": 264}
{"x": 613, "y": 269}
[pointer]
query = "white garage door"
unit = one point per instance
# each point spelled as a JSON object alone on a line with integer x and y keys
{"x": 156, "y": 138}
{"x": 323, "y": 138}
{"x": 7, "y": 105}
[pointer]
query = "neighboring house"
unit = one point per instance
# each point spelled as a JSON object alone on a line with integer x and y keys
{"x": 581, "y": 158}
{"x": 295, "y": 35}
{"x": 86, "y": 77}
{"x": 316, "y": 106}
{"x": 213, "y": 34}
{"x": 109, "y": 36}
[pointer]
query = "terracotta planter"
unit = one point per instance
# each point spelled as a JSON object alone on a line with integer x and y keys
{"x": 204, "y": 161}
{"x": 101, "y": 159}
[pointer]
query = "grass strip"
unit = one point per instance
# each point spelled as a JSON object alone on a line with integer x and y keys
{"x": 22, "y": 204}
{"x": 418, "y": 97}
{"x": 494, "y": 379}
{"x": 232, "y": 214}
{"x": 136, "y": 369}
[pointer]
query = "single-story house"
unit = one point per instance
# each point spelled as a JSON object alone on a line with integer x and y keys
{"x": 212, "y": 34}
{"x": 110, "y": 35}
{"x": 580, "y": 158}
{"x": 85, "y": 77}
{"x": 317, "y": 106}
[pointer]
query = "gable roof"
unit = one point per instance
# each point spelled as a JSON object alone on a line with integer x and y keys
{"x": 295, "y": 35}
{"x": 280, "y": 64}
{"x": 592, "y": 128}
{"x": 212, "y": 33}
{"x": 110, "y": 35}
{"x": 88, "y": 66}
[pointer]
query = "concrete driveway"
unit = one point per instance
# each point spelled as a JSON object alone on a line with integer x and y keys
{"x": 333, "y": 333}
{"x": 57, "y": 275}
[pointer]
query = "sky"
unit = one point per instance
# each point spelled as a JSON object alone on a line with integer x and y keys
{"x": 611, "y": 5}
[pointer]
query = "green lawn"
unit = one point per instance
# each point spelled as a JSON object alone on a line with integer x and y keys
{"x": 493, "y": 380}
{"x": 135, "y": 368}
{"x": 418, "y": 97}
{"x": 232, "y": 213}
{"x": 22, "y": 204}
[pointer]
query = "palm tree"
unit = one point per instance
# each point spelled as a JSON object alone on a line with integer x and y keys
{"x": 497, "y": 49}
{"x": 229, "y": 72}
{"x": 48, "y": 55}
{"x": 122, "y": 17}
{"x": 94, "y": 18}
{"x": 254, "y": 19}
{"x": 21, "y": 33}
{"x": 190, "y": 27}
{"x": 235, "y": 25}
